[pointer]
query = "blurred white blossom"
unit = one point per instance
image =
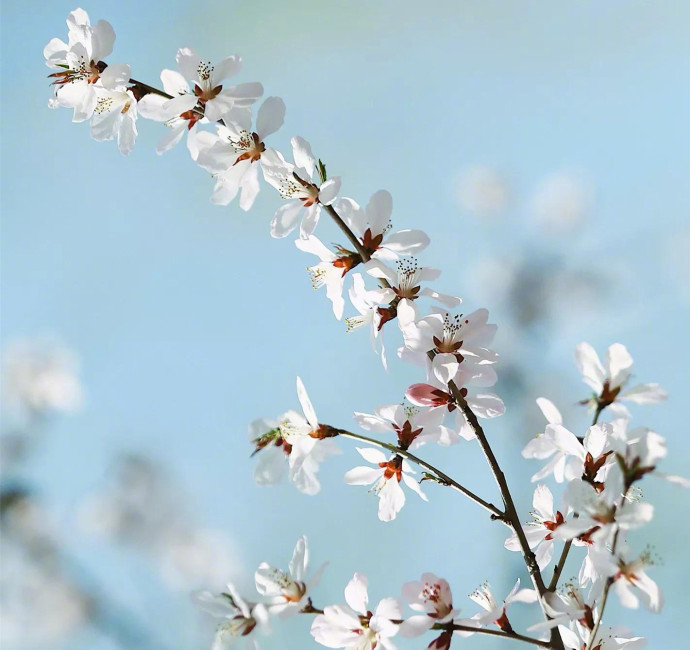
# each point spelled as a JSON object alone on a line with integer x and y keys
{"x": 39, "y": 376}
{"x": 482, "y": 191}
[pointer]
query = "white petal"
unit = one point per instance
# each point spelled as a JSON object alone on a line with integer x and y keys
{"x": 174, "y": 83}
{"x": 228, "y": 67}
{"x": 588, "y": 362}
{"x": 362, "y": 475}
{"x": 310, "y": 220}
{"x": 356, "y": 593}
{"x": 249, "y": 185}
{"x": 302, "y": 155}
{"x": 188, "y": 63}
{"x": 307, "y": 407}
{"x": 551, "y": 413}
{"x": 644, "y": 394}
{"x": 285, "y": 219}
{"x": 371, "y": 455}
{"x": 414, "y": 486}
{"x": 619, "y": 363}
{"x": 329, "y": 190}
{"x": 270, "y": 117}
{"x": 300, "y": 560}
{"x": 407, "y": 242}
{"x": 391, "y": 500}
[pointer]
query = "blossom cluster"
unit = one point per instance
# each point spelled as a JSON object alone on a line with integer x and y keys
{"x": 377, "y": 277}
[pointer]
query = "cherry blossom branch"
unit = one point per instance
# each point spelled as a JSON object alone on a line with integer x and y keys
{"x": 443, "y": 478}
{"x": 510, "y": 510}
{"x": 456, "y": 627}
{"x": 149, "y": 89}
{"x": 510, "y": 516}
{"x": 361, "y": 251}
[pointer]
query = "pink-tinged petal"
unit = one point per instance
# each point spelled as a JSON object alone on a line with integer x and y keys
{"x": 362, "y": 475}
{"x": 407, "y": 242}
{"x": 356, "y": 593}
{"x": 270, "y": 117}
{"x": 307, "y": 407}
{"x": 309, "y": 220}
{"x": 285, "y": 219}
{"x": 329, "y": 190}
{"x": 414, "y": 486}
{"x": 303, "y": 157}
{"x": 619, "y": 363}
{"x": 228, "y": 67}
{"x": 551, "y": 413}
{"x": 589, "y": 365}
{"x": 188, "y": 63}
{"x": 644, "y": 394}
{"x": 425, "y": 395}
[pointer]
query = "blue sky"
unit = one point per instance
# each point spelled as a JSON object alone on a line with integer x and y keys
{"x": 190, "y": 321}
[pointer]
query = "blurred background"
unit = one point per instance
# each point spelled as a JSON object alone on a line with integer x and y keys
{"x": 544, "y": 148}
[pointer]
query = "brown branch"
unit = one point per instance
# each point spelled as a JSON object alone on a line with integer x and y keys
{"x": 444, "y": 478}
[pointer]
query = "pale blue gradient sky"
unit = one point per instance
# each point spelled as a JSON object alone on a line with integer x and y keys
{"x": 190, "y": 321}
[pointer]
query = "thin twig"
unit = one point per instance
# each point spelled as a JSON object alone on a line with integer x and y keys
{"x": 490, "y": 507}
{"x": 511, "y": 636}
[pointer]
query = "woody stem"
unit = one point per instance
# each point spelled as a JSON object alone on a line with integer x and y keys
{"x": 443, "y": 478}
{"x": 510, "y": 510}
